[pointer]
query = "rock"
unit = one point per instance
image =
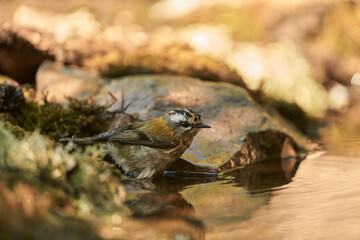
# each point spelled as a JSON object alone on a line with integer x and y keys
{"x": 71, "y": 38}
{"x": 281, "y": 73}
{"x": 227, "y": 108}
{"x": 174, "y": 58}
{"x": 262, "y": 145}
{"x": 5, "y": 79}
{"x": 58, "y": 83}
{"x": 22, "y": 51}
{"x": 113, "y": 51}
{"x": 78, "y": 24}
{"x": 11, "y": 98}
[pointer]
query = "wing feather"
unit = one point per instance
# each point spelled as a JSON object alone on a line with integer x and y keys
{"x": 138, "y": 137}
{"x": 131, "y": 134}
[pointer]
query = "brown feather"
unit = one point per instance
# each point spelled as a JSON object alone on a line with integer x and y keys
{"x": 159, "y": 127}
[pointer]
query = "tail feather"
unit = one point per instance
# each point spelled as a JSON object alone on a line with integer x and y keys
{"x": 80, "y": 140}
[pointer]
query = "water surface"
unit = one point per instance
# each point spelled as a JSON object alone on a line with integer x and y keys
{"x": 317, "y": 198}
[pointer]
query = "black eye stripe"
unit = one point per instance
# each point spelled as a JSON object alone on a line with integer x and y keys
{"x": 185, "y": 124}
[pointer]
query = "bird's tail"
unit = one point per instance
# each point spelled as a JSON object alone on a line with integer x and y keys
{"x": 80, "y": 140}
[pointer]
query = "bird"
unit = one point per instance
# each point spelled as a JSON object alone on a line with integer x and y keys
{"x": 145, "y": 149}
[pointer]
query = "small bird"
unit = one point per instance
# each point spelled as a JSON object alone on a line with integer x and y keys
{"x": 146, "y": 148}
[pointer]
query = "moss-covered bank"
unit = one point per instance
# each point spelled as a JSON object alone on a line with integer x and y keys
{"x": 47, "y": 188}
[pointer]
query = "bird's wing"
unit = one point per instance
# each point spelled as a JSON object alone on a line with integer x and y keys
{"x": 138, "y": 137}
{"x": 106, "y": 135}
{"x": 131, "y": 134}
{"x": 102, "y": 137}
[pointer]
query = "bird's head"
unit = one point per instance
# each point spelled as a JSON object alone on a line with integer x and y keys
{"x": 185, "y": 121}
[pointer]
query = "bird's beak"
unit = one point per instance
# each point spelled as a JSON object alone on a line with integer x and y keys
{"x": 202, "y": 125}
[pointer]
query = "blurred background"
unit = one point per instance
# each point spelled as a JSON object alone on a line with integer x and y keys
{"x": 301, "y": 56}
{"x": 297, "y": 59}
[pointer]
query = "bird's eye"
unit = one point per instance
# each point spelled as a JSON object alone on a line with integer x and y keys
{"x": 185, "y": 124}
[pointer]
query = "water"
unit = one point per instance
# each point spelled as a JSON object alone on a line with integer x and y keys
{"x": 322, "y": 202}
{"x": 317, "y": 198}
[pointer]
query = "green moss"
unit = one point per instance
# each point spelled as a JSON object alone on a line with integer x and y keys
{"x": 17, "y": 131}
{"x": 179, "y": 60}
{"x": 67, "y": 186}
{"x": 46, "y": 184}
{"x": 80, "y": 118}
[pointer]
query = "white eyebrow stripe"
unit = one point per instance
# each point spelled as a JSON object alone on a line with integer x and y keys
{"x": 177, "y": 117}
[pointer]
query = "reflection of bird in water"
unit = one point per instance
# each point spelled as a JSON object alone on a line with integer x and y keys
{"x": 165, "y": 204}
{"x": 164, "y": 209}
